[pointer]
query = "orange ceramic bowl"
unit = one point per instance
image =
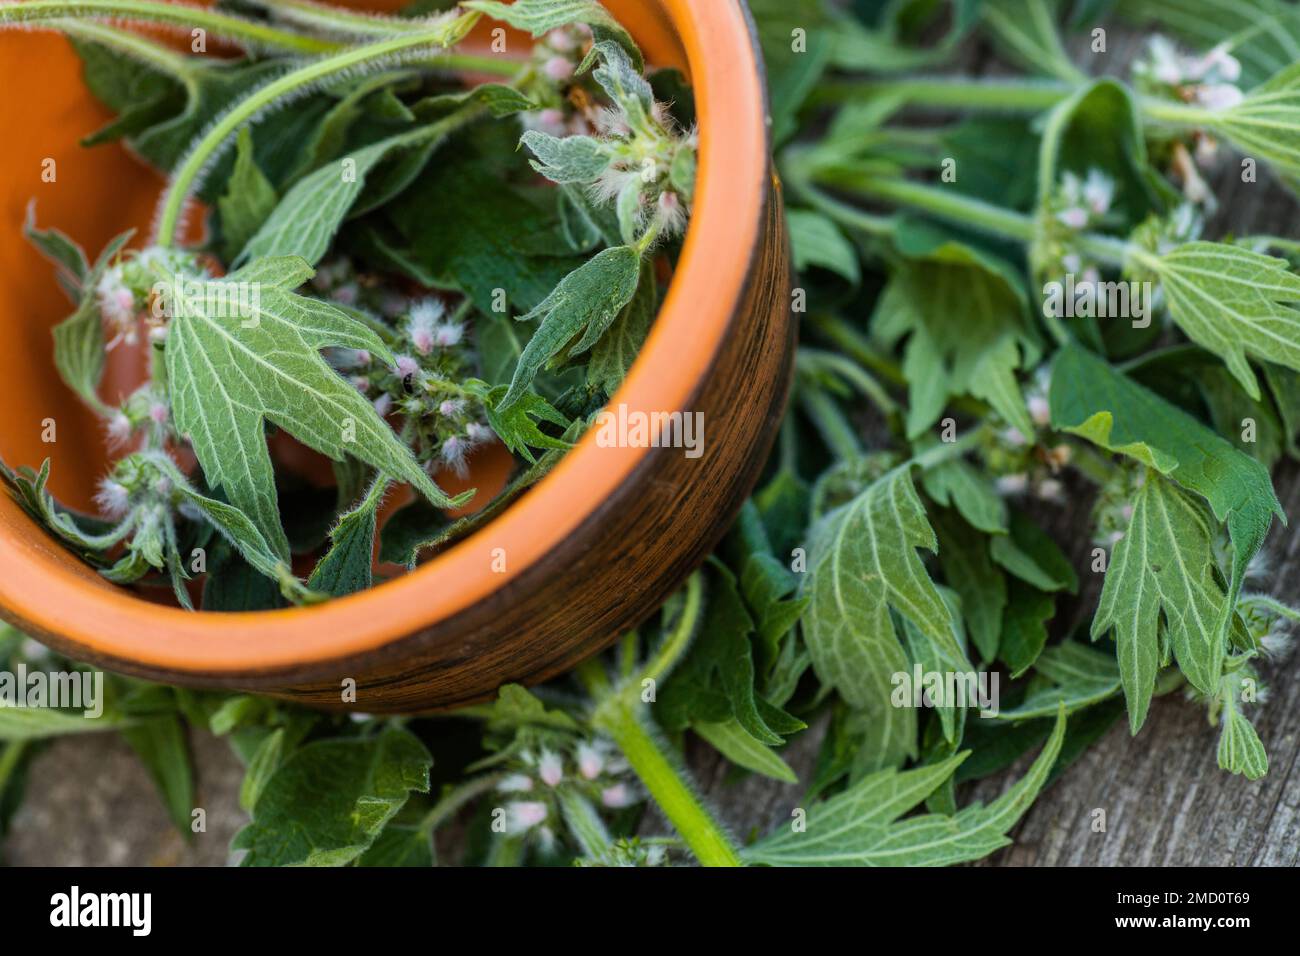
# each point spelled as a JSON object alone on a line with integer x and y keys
{"x": 588, "y": 553}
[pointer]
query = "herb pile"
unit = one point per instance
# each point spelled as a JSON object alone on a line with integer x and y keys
{"x": 964, "y": 373}
{"x": 389, "y": 278}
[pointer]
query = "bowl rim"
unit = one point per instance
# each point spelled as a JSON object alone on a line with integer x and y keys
{"x": 57, "y": 598}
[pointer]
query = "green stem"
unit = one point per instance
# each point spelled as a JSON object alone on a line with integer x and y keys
{"x": 154, "y": 55}
{"x": 675, "y": 644}
{"x": 834, "y": 428}
{"x": 220, "y": 25}
{"x": 949, "y": 93}
{"x": 809, "y": 359}
{"x": 946, "y": 451}
{"x": 702, "y": 833}
{"x": 620, "y": 715}
{"x": 457, "y": 798}
{"x": 185, "y": 179}
{"x": 332, "y": 20}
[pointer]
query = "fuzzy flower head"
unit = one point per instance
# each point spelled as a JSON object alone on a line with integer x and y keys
{"x": 452, "y": 454}
{"x": 550, "y": 768}
{"x": 422, "y": 323}
{"x": 119, "y": 429}
{"x": 117, "y": 304}
{"x": 591, "y": 761}
{"x": 113, "y": 498}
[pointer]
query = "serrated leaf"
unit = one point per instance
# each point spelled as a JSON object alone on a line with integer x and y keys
{"x": 1165, "y": 561}
{"x": 539, "y": 17}
{"x": 958, "y": 484}
{"x": 964, "y": 315}
{"x": 517, "y": 707}
{"x": 346, "y": 567}
{"x": 1070, "y": 675}
{"x": 861, "y": 827}
{"x": 581, "y": 307}
{"x": 937, "y": 657}
{"x": 228, "y": 374}
{"x": 1231, "y": 302}
{"x": 863, "y": 563}
{"x": 612, "y": 356}
{"x": 515, "y": 425}
{"x": 1240, "y": 749}
{"x": 330, "y": 799}
{"x": 573, "y": 160}
{"x": 1091, "y": 399}
{"x": 1266, "y": 123}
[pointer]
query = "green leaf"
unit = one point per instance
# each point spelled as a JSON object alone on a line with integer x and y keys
{"x": 1024, "y": 626}
{"x": 1091, "y": 399}
{"x": 399, "y": 845}
{"x": 735, "y": 743}
{"x": 957, "y": 483}
{"x": 1230, "y": 301}
{"x": 965, "y": 317}
{"x": 862, "y": 825}
{"x": 612, "y": 356}
{"x": 517, "y": 707}
{"x": 1232, "y": 412}
{"x": 937, "y": 657}
{"x": 160, "y": 744}
{"x": 576, "y": 160}
{"x": 39, "y": 723}
{"x": 310, "y": 214}
{"x": 1266, "y": 123}
{"x": 346, "y": 567}
{"x": 582, "y": 307}
{"x": 515, "y": 426}
{"x": 330, "y": 799}
{"x": 968, "y": 570}
{"x": 1164, "y": 561}
{"x": 227, "y": 374}
{"x": 78, "y": 339}
{"x": 1070, "y": 675}
{"x": 863, "y": 562}
{"x": 248, "y": 201}
{"x": 1033, "y": 557}
{"x": 265, "y": 762}
{"x": 539, "y": 17}
{"x": 817, "y": 241}
{"x": 717, "y": 680}
{"x": 1240, "y": 749}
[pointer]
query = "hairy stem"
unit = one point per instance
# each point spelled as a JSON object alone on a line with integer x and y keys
{"x": 620, "y": 714}
{"x": 223, "y": 26}
{"x": 187, "y": 174}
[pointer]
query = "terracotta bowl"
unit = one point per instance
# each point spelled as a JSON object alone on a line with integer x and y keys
{"x": 589, "y": 552}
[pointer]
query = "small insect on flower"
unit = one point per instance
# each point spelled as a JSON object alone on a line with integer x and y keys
{"x": 407, "y": 369}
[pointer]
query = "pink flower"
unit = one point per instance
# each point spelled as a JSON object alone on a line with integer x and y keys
{"x": 550, "y": 769}
{"x": 422, "y": 325}
{"x": 113, "y": 498}
{"x": 590, "y": 761}
{"x": 453, "y": 454}
{"x": 383, "y": 405}
{"x": 515, "y": 783}
{"x": 448, "y": 334}
{"x": 451, "y": 407}
{"x": 558, "y": 68}
{"x": 478, "y": 433}
{"x": 618, "y": 796}
{"x": 119, "y": 430}
{"x": 1076, "y": 217}
{"x": 525, "y": 814}
{"x": 158, "y": 413}
{"x": 672, "y": 214}
{"x": 406, "y": 366}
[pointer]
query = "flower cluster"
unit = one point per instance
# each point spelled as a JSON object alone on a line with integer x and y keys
{"x": 1209, "y": 80}
{"x": 1026, "y": 464}
{"x": 125, "y": 292}
{"x": 442, "y": 421}
{"x": 1078, "y": 204}
{"x": 590, "y": 769}
{"x": 566, "y": 101}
